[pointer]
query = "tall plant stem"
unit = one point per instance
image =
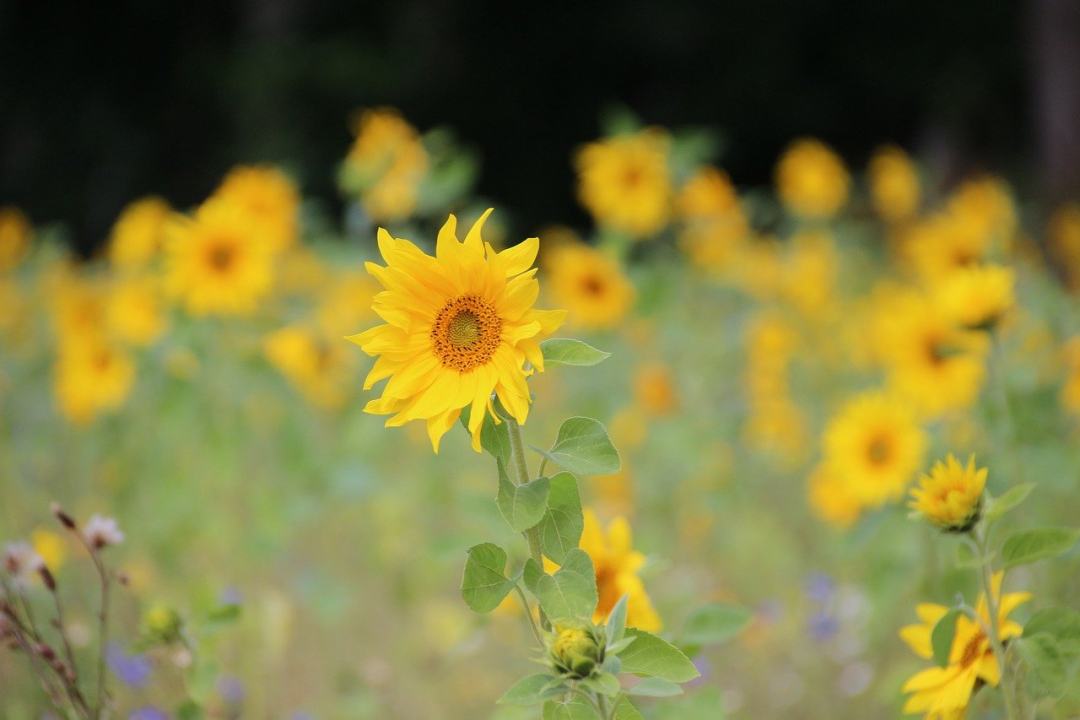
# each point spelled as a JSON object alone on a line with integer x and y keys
{"x": 1008, "y": 688}
{"x": 521, "y": 472}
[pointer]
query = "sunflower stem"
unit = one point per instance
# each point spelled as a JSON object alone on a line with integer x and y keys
{"x": 1008, "y": 690}
{"x": 521, "y": 470}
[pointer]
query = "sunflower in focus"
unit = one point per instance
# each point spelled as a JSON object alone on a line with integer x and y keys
{"x": 138, "y": 234}
{"x": 460, "y": 327}
{"x": 590, "y": 284}
{"x": 950, "y": 496}
{"x": 268, "y": 199}
{"x": 874, "y": 445}
{"x": 215, "y": 263}
{"x": 894, "y": 184}
{"x": 385, "y": 165}
{"x": 943, "y": 693}
{"x": 624, "y": 182}
{"x": 15, "y": 234}
{"x": 811, "y": 179}
{"x": 133, "y": 311}
{"x": 977, "y": 297}
{"x": 92, "y": 377}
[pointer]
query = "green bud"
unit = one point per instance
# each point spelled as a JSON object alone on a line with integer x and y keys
{"x": 576, "y": 652}
{"x": 161, "y": 624}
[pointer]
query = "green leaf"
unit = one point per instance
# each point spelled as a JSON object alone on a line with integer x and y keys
{"x": 655, "y": 687}
{"x": 561, "y": 526}
{"x": 483, "y": 586}
{"x": 715, "y": 623}
{"x": 941, "y": 638}
{"x": 532, "y": 572}
{"x": 616, "y": 622}
{"x": 1008, "y": 500}
{"x": 604, "y": 683}
{"x": 522, "y": 506}
{"x": 567, "y": 351}
{"x": 583, "y": 448}
{"x": 575, "y": 709}
{"x": 190, "y": 710}
{"x": 625, "y": 710}
{"x": 966, "y": 558}
{"x": 1063, "y": 624}
{"x": 526, "y": 691}
{"x": 569, "y": 594}
{"x": 1047, "y": 664}
{"x": 651, "y": 656}
{"x": 1031, "y": 546}
{"x": 494, "y": 438}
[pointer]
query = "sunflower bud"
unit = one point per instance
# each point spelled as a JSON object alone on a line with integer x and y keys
{"x": 950, "y": 496}
{"x": 576, "y": 651}
{"x": 161, "y": 623}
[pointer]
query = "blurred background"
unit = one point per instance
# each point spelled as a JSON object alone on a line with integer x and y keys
{"x": 100, "y": 107}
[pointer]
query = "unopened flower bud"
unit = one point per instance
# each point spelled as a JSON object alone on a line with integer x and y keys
{"x": 576, "y": 651}
{"x": 65, "y": 519}
{"x": 47, "y": 578}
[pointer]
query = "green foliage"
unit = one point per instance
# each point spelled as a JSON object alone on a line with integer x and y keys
{"x": 1063, "y": 624}
{"x": 1007, "y": 501}
{"x": 563, "y": 522}
{"x": 1047, "y": 664}
{"x": 583, "y": 448}
{"x": 941, "y": 638}
{"x": 715, "y": 623}
{"x": 483, "y": 585}
{"x": 1030, "y": 546}
{"x": 655, "y": 687}
{"x": 529, "y": 690}
{"x": 625, "y": 710}
{"x": 651, "y": 656}
{"x": 569, "y": 594}
{"x": 574, "y": 709}
{"x": 616, "y": 622}
{"x": 522, "y": 506}
{"x": 567, "y": 351}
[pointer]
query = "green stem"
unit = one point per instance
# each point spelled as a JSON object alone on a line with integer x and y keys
{"x": 601, "y": 703}
{"x": 521, "y": 470}
{"x": 1008, "y": 690}
{"x": 528, "y": 614}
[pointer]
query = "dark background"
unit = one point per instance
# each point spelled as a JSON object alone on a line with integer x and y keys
{"x": 104, "y": 102}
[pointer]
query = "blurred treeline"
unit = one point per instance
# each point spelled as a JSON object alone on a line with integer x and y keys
{"x": 104, "y": 102}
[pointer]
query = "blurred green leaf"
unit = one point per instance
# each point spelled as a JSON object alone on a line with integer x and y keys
{"x": 583, "y": 448}
{"x": 715, "y": 623}
{"x": 190, "y": 710}
{"x": 563, "y": 522}
{"x": 522, "y": 506}
{"x": 616, "y": 622}
{"x": 1063, "y": 624}
{"x": 625, "y": 710}
{"x": 1008, "y": 500}
{"x": 569, "y": 594}
{"x": 574, "y": 709}
{"x": 1030, "y": 546}
{"x": 941, "y": 638}
{"x": 655, "y": 687}
{"x": 568, "y": 351}
{"x": 651, "y": 656}
{"x": 483, "y": 585}
{"x": 604, "y": 683}
{"x": 526, "y": 691}
{"x": 1048, "y": 668}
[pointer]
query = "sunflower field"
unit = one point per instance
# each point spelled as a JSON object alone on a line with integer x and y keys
{"x": 807, "y": 450}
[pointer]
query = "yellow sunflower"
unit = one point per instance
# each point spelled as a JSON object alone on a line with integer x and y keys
{"x": 321, "y": 369}
{"x": 938, "y": 245}
{"x": 624, "y": 182}
{"x": 345, "y": 302}
{"x": 943, "y": 693}
{"x": 894, "y": 184}
{"x": 709, "y": 193}
{"x": 590, "y": 284}
{"x": 385, "y": 165}
{"x": 138, "y": 234}
{"x": 976, "y": 297}
{"x": 832, "y": 498}
{"x": 15, "y": 234}
{"x": 1063, "y": 236}
{"x": 950, "y": 496}
{"x": 875, "y": 445}
{"x": 1070, "y": 391}
{"x": 133, "y": 310}
{"x": 215, "y": 264}
{"x": 460, "y": 327}
{"x": 655, "y": 391}
{"x": 811, "y": 179}
{"x": 268, "y": 199}
{"x": 92, "y": 376}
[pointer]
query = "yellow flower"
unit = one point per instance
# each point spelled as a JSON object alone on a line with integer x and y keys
{"x": 708, "y": 194}
{"x": 590, "y": 284}
{"x": 986, "y": 205}
{"x": 138, "y": 234}
{"x": 976, "y": 297}
{"x": 951, "y": 495}
{"x": 345, "y": 303}
{"x": 654, "y": 390}
{"x": 321, "y": 370}
{"x": 1070, "y": 391}
{"x": 809, "y": 273}
{"x": 615, "y": 492}
{"x": 459, "y": 327}
{"x": 894, "y": 184}
{"x": 269, "y": 201}
{"x": 1063, "y": 234}
{"x": 15, "y": 234}
{"x": 12, "y": 304}
{"x": 616, "y": 564}
{"x": 133, "y": 311}
{"x": 216, "y": 264}
{"x": 875, "y": 445}
{"x": 92, "y": 376}
{"x": 386, "y": 165}
{"x": 832, "y": 498}
{"x": 811, "y": 179}
{"x": 939, "y": 245}
{"x": 78, "y": 306}
{"x": 943, "y": 693}
{"x": 52, "y": 547}
{"x": 624, "y": 182}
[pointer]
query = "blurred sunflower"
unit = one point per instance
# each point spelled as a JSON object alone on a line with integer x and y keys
{"x": 345, "y": 302}
{"x": 943, "y": 693}
{"x": 215, "y": 264}
{"x": 138, "y": 234}
{"x": 590, "y": 284}
{"x": 940, "y": 244}
{"x": 624, "y": 182}
{"x": 976, "y": 297}
{"x": 708, "y": 194}
{"x": 950, "y": 496}
{"x": 92, "y": 376}
{"x": 77, "y": 306}
{"x": 460, "y": 326}
{"x": 133, "y": 311}
{"x": 832, "y": 499}
{"x": 268, "y": 199}
{"x": 811, "y": 179}
{"x": 654, "y": 389}
{"x": 894, "y": 184}
{"x": 875, "y": 445}
{"x": 1070, "y": 391}
{"x": 985, "y": 205}
{"x": 1063, "y": 235}
{"x": 385, "y": 165}
{"x": 321, "y": 369}
{"x": 15, "y": 234}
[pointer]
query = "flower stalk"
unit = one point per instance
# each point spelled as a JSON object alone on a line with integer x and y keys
{"x": 1008, "y": 687}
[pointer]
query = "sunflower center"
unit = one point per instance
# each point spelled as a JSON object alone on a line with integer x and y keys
{"x": 973, "y": 650}
{"x": 220, "y": 256}
{"x": 879, "y": 450}
{"x": 592, "y": 285}
{"x": 466, "y": 332}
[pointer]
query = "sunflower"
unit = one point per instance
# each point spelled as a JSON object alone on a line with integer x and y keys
{"x": 15, "y": 234}
{"x": 938, "y": 245}
{"x": 345, "y": 302}
{"x": 950, "y": 496}
{"x": 832, "y": 498}
{"x": 92, "y": 376}
{"x": 894, "y": 184}
{"x": 655, "y": 391}
{"x": 708, "y": 194}
{"x": 1070, "y": 391}
{"x": 624, "y": 182}
{"x": 133, "y": 311}
{"x": 215, "y": 263}
{"x": 976, "y": 297}
{"x": 459, "y": 327}
{"x": 943, "y": 693}
{"x": 811, "y": 179}
{"x": 590, "y": 284}
{"x": 138, "y": 234}
{"x": 1063, "y": 236}
{"x": 875, "y": 445}
{"x": 385, "y": 165}
{"x": 986, "y": 205}
{"x": 268, "y": 199}
{"x": 320, "y": 369}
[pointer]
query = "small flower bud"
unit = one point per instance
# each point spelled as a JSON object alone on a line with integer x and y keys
{"x": 47, "y": 578}
{"x": 100, "y": 532}
{"x": 65, "y": 519}
{"x": 576, "y": 651}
